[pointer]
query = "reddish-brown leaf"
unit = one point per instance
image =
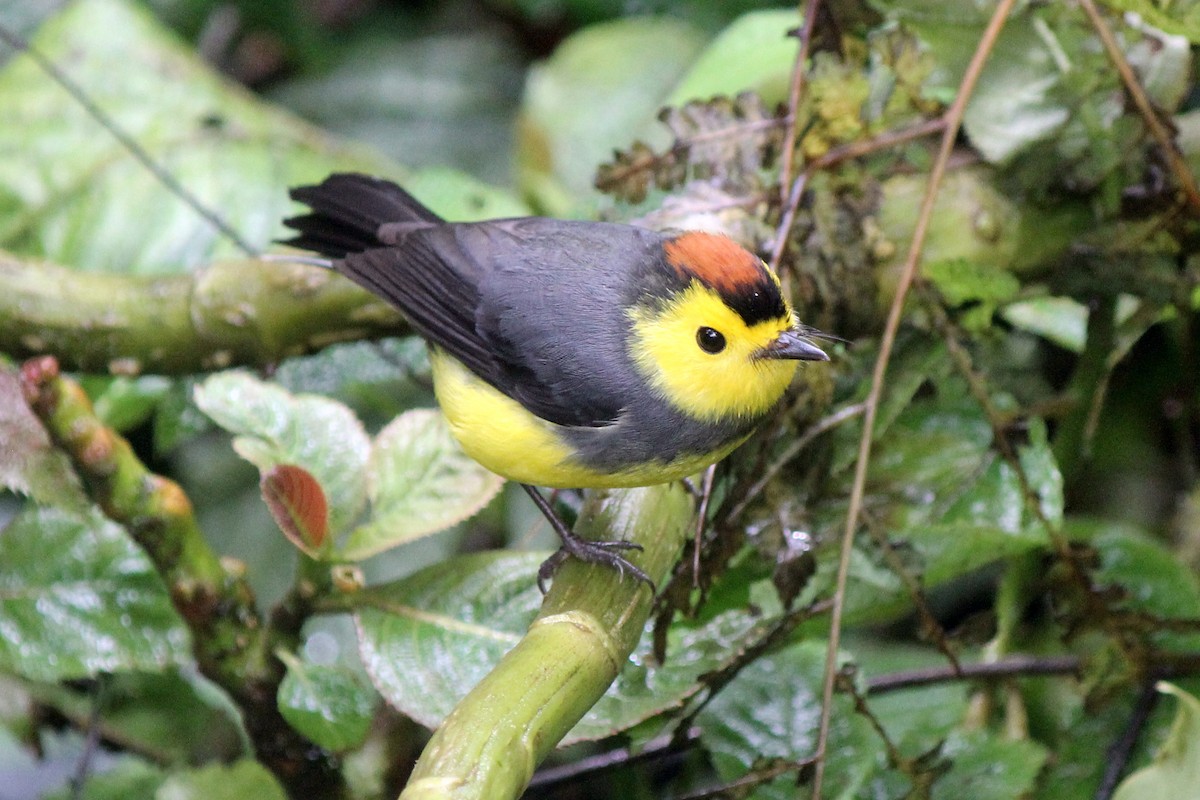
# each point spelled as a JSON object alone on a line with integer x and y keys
{"x": 298, "y": 504}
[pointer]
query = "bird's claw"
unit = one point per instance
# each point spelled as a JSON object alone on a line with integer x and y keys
{"x": 593, "y": 552}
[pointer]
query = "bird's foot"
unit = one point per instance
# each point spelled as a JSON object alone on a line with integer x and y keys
{"x": 592, "y": 552}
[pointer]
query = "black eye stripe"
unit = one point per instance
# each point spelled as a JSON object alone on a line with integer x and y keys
{"x": 710, "y": 339}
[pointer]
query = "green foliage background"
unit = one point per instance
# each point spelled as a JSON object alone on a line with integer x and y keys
{"x": 1031, "y": 499}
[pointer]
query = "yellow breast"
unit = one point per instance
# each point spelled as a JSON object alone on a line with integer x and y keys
{"x": 500, "y": 434}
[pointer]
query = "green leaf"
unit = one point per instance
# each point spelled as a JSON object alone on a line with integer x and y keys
{"x": 601, "y": 87}
{"x": 428, "y": 639}
{"x": 274, "y": 427}
{"x": 1153, "y": 577}
{"x": 754, "y": 53}
{"x": 171, "y": 717}
{"x": 941, "y": 494}
{"x": 29, "y": 462}
{"x": 374, "y": 378}
{"x": 327, "y": 704}
{"x": 1014, "y": 103}
{"x": 237, "y": 781}
{"x": 1176, "y": 768}
{"x": 961, "y": 281}
{"x": 918, "y": 718}
{"x": 420, "y": 482}
{"x": 1064, "y": 321}
{"x": 1182, "y": 19}
{"x": 1058, "y": 319}
{"x": 77, "y": 598}
{"x": 417, "y": 96}
{"x": 984, "y": 766}
{"x": 128, "y": 779}
{"x": 771, "y": 711}
{"x": 645, "y": 688}
{"x": 124, "y": 403}
{"x": 461, "y": 197}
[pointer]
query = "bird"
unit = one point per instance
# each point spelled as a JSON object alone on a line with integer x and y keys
{"x": 569, "y": 353}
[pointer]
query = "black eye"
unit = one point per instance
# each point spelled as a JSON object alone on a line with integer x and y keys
{"x": 710, "y": 341}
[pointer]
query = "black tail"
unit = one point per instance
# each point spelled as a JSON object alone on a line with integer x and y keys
{"x": 347, "y": 210}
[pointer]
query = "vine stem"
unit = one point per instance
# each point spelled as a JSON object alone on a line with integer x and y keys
{"x": 1159, "y": 130}
{"x": 953, "y": 117}
{"x": 807, "y": 23}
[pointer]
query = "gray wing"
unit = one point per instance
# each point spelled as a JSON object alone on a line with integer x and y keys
{"x": 535, "y": 307}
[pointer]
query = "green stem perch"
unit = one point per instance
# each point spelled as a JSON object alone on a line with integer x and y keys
{"x": 231, "y": 313}
{"x": 590, "y": 622}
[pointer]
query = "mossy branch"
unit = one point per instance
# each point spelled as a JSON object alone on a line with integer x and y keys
{"x": 238, "y": 312}
{"x": 590, "y": 622}
{"x": 231, "y": 645}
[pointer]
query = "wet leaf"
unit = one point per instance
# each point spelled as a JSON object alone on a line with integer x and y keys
{"x": 329, "y": 705}
{"x": 428, "y": 639}
{"x": 99, "y": 207}
{"x": 274, "y": 427}
{"x": 78, "y": 597}
{"x": 420, "y": 482}
{"x": 1148, "y": 576}
{"x": 942, "y": 496}
{"x": 771, "y": 711}
{"x": 984, "y": 766}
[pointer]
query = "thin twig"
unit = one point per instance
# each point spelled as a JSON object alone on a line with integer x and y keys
{"x": 788, "y": 218}
{"x": 834, "y": 157}
{"x": 1011, "y": 667}
{"x": 794, "y": 449}
{"x": 953, "y": 117}
{"x": 91, "y": 742}
{"x": 710, "y": 475}
{"x": 779, "y": 630}
{"x": 883, "y": 141}
{"x": 591, "y": 766}
{"x": 845, "y": 681}
{"x": 754, "y": 778}
{"x": 807, "y": 23}
{"x": 1117, "y": 757}
{"x": 1158, "y": 129}
{"x": 791, "y": 191}
{"x": 929, "y": 623}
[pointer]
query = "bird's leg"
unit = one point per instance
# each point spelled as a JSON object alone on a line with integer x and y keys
{"x": 585, "y": 550}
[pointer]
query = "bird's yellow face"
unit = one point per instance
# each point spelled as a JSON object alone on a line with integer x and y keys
{"x": 704, "y": 359}
{"x": 724, "y": 346}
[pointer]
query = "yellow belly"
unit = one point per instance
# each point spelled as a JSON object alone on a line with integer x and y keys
{"x": 500, "y": 434}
